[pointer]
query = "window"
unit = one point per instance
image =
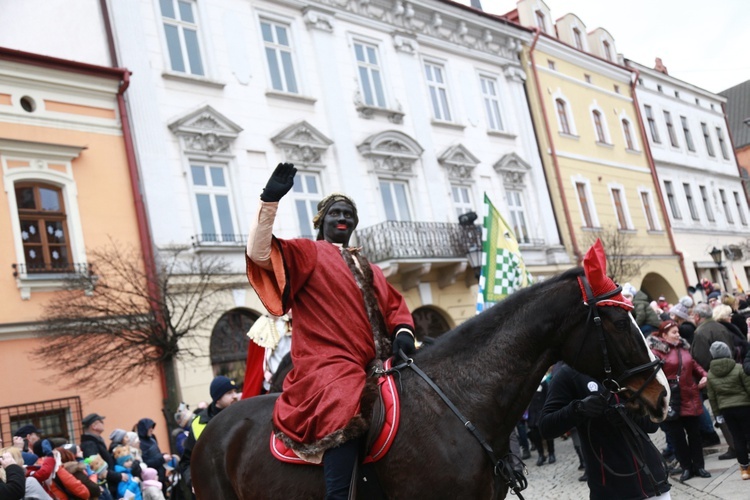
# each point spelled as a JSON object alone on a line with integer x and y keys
{"x": 690, "y": 201}
{"x": 584, "y": 202}
{"x": 44, "y": 228}
{"x": 707, "y": 203}
{"x": 438, "y": 88}
{"x": 648, "y": 209}
{"x": 395, "y": 200}
{"x": 707, "y": 139}
{"x": 740, "y": 210}
{"x": 677, "y": 94}
{"x": 652, "y": 124}
{"x": 181, "y": 32}
{"x": 56, "y": 418}
{"x": 307, "y": 192}
{"x": 617, "y": 89}
{"x": 686, "y": 131}
{"x": 725, "y": 206}
{"x": 517, "y": 215}
{"x": 628, "y": 135}
{"x": 562, "y": 115}
{"x": 607, "y": 50}
{"x": 670, "y": 129}
{"x": 617, "y": 199}
{"x": 587, "y": 78}
{"x": 278, "y": 47}
{"x": 461, "y": 199}
{"x": 577, "y": 38}
{"x": 551, "y": 64}
{"x": 213, "y": 203}
{"x": 229, "y": 341}
{"x": 491, "y": 102}
{"x": 722, "y": 143}
{"x": 672, "y": 201}
{"x": 540, "y": 21}
{"x": 659, "y": 88}
{"x": 697, "y": 101}
{"x": 370, "y": 80}
{"x": 599, "y": 127}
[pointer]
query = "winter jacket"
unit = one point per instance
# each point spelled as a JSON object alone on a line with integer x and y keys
{"x": 728, "y": 385}
{"x": 152, "y": 455}
{"x": 746, "y": 364}
{"x": 537, "y": 403}
{"x": 644, "y": 313}
{"x": 687, "y": 331}
{"x": 35, "y": 491}
{"x": 152, "y": 490}
{"x": 691, "y": 404}
{"x": 14, "y": 487}
{"x": 129, "y": 485}
{"x": 92, "y": 444}
{"x": 741, "y": 346}
{"x": 198, "y": 423}
{"x": 603, "y": 440}
{"x": 66, "y": 487}
{"x": 708, "y": 332}
{"x": 739, "y": 320}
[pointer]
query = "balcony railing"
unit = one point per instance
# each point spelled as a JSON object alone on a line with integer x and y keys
{"x": 393, "y": 240}
{"x": 22, "y": 269}
{"x": 219, "y": 239}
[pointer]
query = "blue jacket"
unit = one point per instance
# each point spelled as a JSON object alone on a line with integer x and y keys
{"x": 129, "y": 485}
{"x": 152, "y": 455}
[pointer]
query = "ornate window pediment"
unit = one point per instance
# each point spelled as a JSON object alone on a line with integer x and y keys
{"x": 513, "y": 168}
{"x": 459, "y": 162}
{"x": 206, "y": 132}
{"x": 303, "y": 145}
{"x": 392, "y": 153}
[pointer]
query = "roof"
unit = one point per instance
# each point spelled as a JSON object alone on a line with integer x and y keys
{"x": 738, "y": 113}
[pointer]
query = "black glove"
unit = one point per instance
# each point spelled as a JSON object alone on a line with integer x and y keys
{"x": 281, "y": 181}
{"x": 404, "y": 342}
{"x": 591, "y": 406}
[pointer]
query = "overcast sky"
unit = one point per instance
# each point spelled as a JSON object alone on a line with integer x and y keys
{"x": 706, "y": 43}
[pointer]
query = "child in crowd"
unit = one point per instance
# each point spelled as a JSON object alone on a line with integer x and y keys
{"x": 99, "y": 469}
{"x": 151, "y": 486}
{"x": 124, "y": 464}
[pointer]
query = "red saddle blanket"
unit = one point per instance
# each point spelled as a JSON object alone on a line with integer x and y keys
{"x": 381, "y": 445}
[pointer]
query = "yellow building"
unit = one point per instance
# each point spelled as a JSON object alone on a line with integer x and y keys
{"x": 599, "y": 172}
{"x": 67, "y": 189}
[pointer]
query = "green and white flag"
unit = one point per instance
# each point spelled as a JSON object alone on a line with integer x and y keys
{"x": 503, "y": 269}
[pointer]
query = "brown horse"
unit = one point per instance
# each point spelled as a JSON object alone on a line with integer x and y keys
{"x": 489, "y": 367}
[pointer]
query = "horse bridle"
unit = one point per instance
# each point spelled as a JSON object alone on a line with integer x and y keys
{"x": 614, "y": 386}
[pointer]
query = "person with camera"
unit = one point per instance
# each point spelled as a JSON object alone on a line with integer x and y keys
{"x": 683, "y": 424}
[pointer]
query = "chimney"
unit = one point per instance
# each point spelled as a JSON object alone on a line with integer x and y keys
{"x": 660, "y": 66}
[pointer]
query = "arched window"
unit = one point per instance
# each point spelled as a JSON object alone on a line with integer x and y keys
{"x": 44, "y": 227}
{"x": 577, "y": 38}
{"x": 229, "y": 342}
{"x": 607, "y": 50}
{"x": 600, "y": 136}
{"x": 628, "y": 134}
{"x": 562, "y": 114}
{"x": 429, "y": 322}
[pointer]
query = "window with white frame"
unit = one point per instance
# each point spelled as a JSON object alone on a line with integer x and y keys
{"x": 601, "y": 135}
{"x": 395, "y": 197}
{"x": 607, "y": 50}
{"x": 438, "y": 90}
{"x": 628, "y": 134}
{"x": 307, "y": 194}
{"x": 690, "y": 201}
{"x": 370, "y": 74}
{"x": 740, "y": 209}
{"x": 181, "y": 33}
{"x": 669, "y": 189}
{"x": 461, "y": 199}
{"x": 670, "y": 129}
{"x": 686, "y": 132}
{"x": 517, "y": 215}
{"x": 577, "y": 38}
{"x": 277, "y": 43}
{"x": 584, "y": 203}
{"x": 540, "y": 21}
{"x": 722, "y": 143}
{"x": 213, "y": 202}
{"x": 620, "y": 205}
{"x": 491, "y": 98}
{"x": 707, "y": 140}
{"x": 707, "y": 203}
{"x": 562, "y": 115}
{"x": 652, "y": 124}
{"x": 725, "y": 206}
{"x": 648, "y": 210}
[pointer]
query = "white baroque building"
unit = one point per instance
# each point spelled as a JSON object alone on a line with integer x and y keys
{"x": 698, "y": 175}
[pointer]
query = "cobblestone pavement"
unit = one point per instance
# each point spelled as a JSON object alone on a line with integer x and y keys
{"x": 559, "y": 481}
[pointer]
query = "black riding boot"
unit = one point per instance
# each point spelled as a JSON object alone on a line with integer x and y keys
{"x": 338, "y": 465}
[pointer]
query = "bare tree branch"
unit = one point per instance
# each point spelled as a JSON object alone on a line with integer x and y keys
{"x": 624, "y": 259}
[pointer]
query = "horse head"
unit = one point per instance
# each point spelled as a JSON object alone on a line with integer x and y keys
{"x": 610, "y": 347}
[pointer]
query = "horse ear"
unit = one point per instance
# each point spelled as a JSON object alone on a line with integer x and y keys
{"x": 595, "y": 267}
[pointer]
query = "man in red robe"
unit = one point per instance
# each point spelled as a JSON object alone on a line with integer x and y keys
{"x": 346, "y": 315}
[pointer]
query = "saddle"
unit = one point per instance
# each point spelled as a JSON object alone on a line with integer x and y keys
{"x": 386, "y": 412}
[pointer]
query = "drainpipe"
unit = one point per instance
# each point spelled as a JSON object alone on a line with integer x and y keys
{"x": 553, "y": 153}
{"x": 634, "y": 76}
{"x": 144, "y": 232}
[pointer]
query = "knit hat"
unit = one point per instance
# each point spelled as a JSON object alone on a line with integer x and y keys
{"x": 629, "y": 290}
{"x": 221, "y": 385}
{"x": 687, "y": 301}
{"x": 714, "y": 295}
{"x": 117, "y": 435}
{"x": 720, "y": 350}
{"x": 149, "y": 474}
{"x": 679, "y": 311}
{"x": 125, "y": 458}
{"x": 97, "y": 463}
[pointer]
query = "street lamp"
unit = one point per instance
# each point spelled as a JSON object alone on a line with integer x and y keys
{"x": 473, "y": 241}
{"x": 715, "y": 254}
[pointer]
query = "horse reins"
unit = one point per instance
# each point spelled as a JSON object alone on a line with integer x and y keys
{"x": 502, "y": 467}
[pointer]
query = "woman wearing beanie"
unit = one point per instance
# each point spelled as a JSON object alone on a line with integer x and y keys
{"x": 729, "y": 395}
{"x": 118, "y": 437}
{"x": 668, "y": 346}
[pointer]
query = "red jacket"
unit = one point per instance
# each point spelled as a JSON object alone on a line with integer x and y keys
{"x": 691, "y": 404}
{"x": 74, "y": 487}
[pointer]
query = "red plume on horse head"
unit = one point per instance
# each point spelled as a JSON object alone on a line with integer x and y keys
{"x": 595, "y": 267}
